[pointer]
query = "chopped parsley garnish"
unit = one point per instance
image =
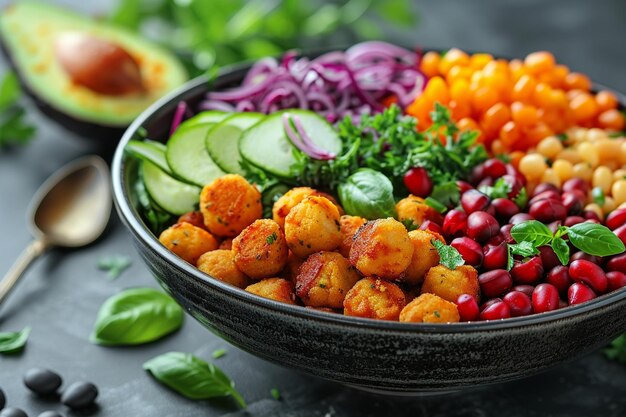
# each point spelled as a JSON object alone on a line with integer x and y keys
{"x": 271, "y": 238}
{"x": 115, "y": 265}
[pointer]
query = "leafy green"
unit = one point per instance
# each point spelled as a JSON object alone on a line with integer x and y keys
{"x": 136, "y": 316}
{"x": 156, "y": 218}
{"x": 598, "y": 196}
{"x": 114, "y": 264}
{"x": 595, "y": 239}
{"x": 13, "y": 342}
{"x": 192, "y": 377}
{"x": 617, "y": 349}
{"x": 218, "y": 353}
{"x": 368, "y": 194}
{"x": 500, "y": 189}
{"x": 561, "y": 249}
{"x": 521, "y": 199}
{"x": 448, "y": 255}
{"x": 532, "y": 231}
{"x": 13, "y": 128}
{"x": 275, "y": 394}
{"x": 237, "y": 30}
{"x": 441, "y": 208}
{"x": 524, "y": 249}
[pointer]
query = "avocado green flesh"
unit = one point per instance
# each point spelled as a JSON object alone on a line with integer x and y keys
{"x": 28, "y": 31}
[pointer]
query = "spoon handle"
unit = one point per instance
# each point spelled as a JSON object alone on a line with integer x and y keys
{"x": 28, "y": 255}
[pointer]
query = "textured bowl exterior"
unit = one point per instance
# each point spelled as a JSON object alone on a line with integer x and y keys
{"x": 385, "y": 357}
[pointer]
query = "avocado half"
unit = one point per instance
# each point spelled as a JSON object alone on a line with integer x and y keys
{"x": 30, "y": 35}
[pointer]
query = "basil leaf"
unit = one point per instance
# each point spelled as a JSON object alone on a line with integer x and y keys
{"x": 114, "y": 265}
{"x": 192, "y": 377}
{"x": 561, "y": 249}
{"x": 448, "y": 255}
{"x": 136, "y": 316}
{"x": 500, "y": 189}
{"x": 524, "y": 249}
{"x": 595, "y": 239}
{"x": 509, "y": 258}
{"x": 532, "y": 231}
{"x": 367, "y": 193}
{"x": 13, "y": 342}
{"x": 598, "y": 196}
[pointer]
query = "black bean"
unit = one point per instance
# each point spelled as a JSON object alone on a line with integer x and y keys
{"x": 12, "y": 412}
{"x": 80, "y": 395}
{"x": 42, "y": 381}
{"x": 50, "y": 414}
{"x": 2, "y": 399}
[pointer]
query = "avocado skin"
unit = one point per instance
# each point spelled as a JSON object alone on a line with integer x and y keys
{"x": 104, "y": 136}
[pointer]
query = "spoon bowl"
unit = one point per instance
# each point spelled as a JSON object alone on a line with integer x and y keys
{"x": 70, "y": 209}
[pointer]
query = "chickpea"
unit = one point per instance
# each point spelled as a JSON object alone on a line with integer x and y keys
{"x": 618, "y": 191}
{"x": 449, "y": 284}
{"x": 230, "y": 204}
{"x": 619, "y": 174}
{"x": 188, "y": 241}
{"x": 532, "y": 166}
{"x": 589, "y": 154}
{"x": 313, "y": 226}
{"x": 595, "y": 134}
{"x": 374, "y": 298}
{"x": 382, "y": 248}
{"x": 582, "y": 170}
{"x": 425, "y": 256}
{"x": 415, "y": 209}
{"x": 276, "y": 289}
{"x": 551, "y": 177}
{"x": 596, "y": 209}
{"x": 550, "y": 147}
{"x": 622, "y": 153}
{"x": 290, "y": 199}
{"x": 260, "y": 249}
{"x": 292, "y": 268}
{"x": 563, "y": 169}
{"x": 608, "y": 149}
{"x": 193, "y": 217}
{"x": 603, "y": 178}
{"x": 348, "y": 225}
{"x": 220, "y": 264}
{"x": 324, "y": 280}
{"x": 609, "y": 204}
{"x": 429, "y": 308}
{"x": 570, "y": 155}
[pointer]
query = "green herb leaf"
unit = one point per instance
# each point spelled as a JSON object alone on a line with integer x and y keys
{"x": 532, "y": 231}
{"x": 595, "y": 239}
{"x": 521, "y": 199}
{"x": 192, "y": 377}
{"x": 410, "y": 224}
{"x": 435, "y": 204}
{"x": 136, "y": 316}
{"x": 524, "y": 249}
{"x": 500, "y": 189}
{"x": 447, "y": 193}
{"x": 368, "y": 194}
{"x": 598, "y": 196}
{"x": 561, "y": 249}
{"x": 275, "y": 394}
{"x": 510, "y": 261}
{"x": 13, "y": 128}
{"x": 9, "y": 90}
{"x": 271, "y": 238}
{"x": 218, "y": 353}
{"x": 13, "y": 342}
{"x": 617, "y": 349}
{"x": 448, "y": 255}
{"x": 115, "y": 265}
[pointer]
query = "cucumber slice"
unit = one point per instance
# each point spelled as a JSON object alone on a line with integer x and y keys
{"x": 150, "y": 151}
{"x": 188, "y": 157}
{"x": 170, "y": 194}
{"x": 210, "y": 116}
{"x": 266, "y": 145}
{"x": 222, "y": 141}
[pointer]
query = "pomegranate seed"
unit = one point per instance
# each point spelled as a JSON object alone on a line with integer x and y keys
{"x": 525, "y": 289}
{"x": 579, "y": 293}
{"x": 504, "y": 209}
{"x": 430, "y": 225}
{"x": 545, "y": 298}
{"x": 546, "y": 195}
{"x": 620, "y": 232}
{"x": 591, "y": 258}
{"x": 515, "y": 182}
{"x": 496, "y": 240}
{"x": 477, "y": 174}
{"x": 495, "y": 311}
{"x": 495, "y": 283}
{"x": 616, "y": 219}
{"x": 591, "y": 215}
{"x": 527, "y": 272}
{"x": 489, "y": 302}
{"x": 559, "y": 277}
{"x": 511, "y": 170}
{"x": 520, "y": 218}
{"x": 454, "y": 223}
{"x": 562, "y": 303}
{"x": 468, "y": 307}
{"x": 482, "y": 226}
{"x": 547, "y": 211}
{"x": 418, "y": 182}
{"x": 591, "y": 274}
{"x": 576, "y": 184}
{"x": 469, "y": 249}
{"x": 505, "y": 231}
{"x": 573, "y": 220}
{"x": 494, "y": 168}
{"x": 573, "y": 203}
{"x": 495, "y": 257}
{"x": 548, "y": 258}
{"x": 617, "y": 263}
{"x": 615, "y": 280}
{"x": 464, "y": 186}
{"x": 545, "y": 186}
{"x": 474, "y": 200}
{"x": 519, "y": 303}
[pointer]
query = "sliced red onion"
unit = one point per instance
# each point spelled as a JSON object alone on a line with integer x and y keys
{"x": 301, "y": 139}
{"x": 179, "y": 115}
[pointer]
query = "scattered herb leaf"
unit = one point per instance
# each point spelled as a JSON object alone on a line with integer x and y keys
{"x": 448, "y": 255}
{"x": 617, "y": 349}
{"x": 436, "y": 204}
{"x": 524, "y": 249}
{"x": 595, "y": 239}
{"x": 192, "y": 377}
{"x": 13, "y": 128}
{"x": 115, "y": 265}
{"x": 521, "y": 199}
{"x": 136, "y": 316}
{"x": 275, "y": 394}
{"x": 447, "y": 193}
{"x": 561, "y": 249}
{"x": 532, "y": 231}
{"x": 410, "y": 224}
{"x": 598, "y": 196}
{"x": 500, "y": 189}
{"x": 13, "y": 342}
{"x": 218, "y": 353}
{"x": 271, "y": 238}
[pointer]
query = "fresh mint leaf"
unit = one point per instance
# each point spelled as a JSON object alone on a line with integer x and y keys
{"x": 218, "y": 353}
{"x": 617, "y": 349}
{"x": 136, "y": 316}
{"x": 192, "y": 377}
{"x": 448, "y": 255}
{"x": 598, "y": 196}
{"x": 532, "y": 231}
{"x": 561, "y": 249}
{"x": 13, "y": 342}
{"x": 595, "y": 239}
{"x": 114, "y": 265}
{"x": 524, "y": 249}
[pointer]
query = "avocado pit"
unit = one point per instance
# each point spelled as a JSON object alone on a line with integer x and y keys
{"x": 98, "y": 64}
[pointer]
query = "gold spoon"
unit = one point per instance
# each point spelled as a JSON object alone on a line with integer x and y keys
{"x": 71, "y": 209}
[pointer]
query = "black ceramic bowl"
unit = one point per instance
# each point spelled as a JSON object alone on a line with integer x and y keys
{"x": 387, "y": 357}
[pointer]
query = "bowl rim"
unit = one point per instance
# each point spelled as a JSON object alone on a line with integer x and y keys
{"x": 136, "y": 226}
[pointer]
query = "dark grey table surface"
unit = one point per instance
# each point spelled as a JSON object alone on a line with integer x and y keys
{"x": 61, "y": 294}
